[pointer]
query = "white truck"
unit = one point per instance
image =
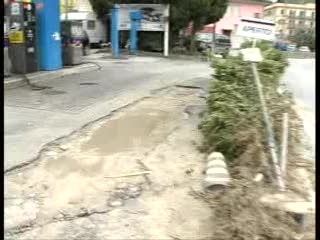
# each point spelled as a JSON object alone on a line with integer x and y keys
{"x": 96, "y": 30}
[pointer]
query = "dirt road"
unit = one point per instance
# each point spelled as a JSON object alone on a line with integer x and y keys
{"x": 67, "y": 194}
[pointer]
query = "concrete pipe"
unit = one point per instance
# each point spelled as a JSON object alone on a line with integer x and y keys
{"x": 215, "y": 156}
{"x": 217, "y": 176}
{"x": 215, "y": 163}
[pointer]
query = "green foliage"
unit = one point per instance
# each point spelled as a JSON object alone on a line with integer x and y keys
{"x": 304, "y": 37}
{"x": 263, "y": 45}
{"x": 233, "y": 106}
{"x": 101, "y": 7}
{"x": 197, "y": 12}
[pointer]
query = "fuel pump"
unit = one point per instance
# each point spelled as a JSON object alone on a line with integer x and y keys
{"x": 22, "y": 37}
{"x": 6, "y": 59}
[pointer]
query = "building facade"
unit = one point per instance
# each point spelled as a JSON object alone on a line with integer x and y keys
{"x": 228, "y": 24}
{"x": 290, "y": 17}
{"x": 75, "y": 5}
{"x": 235, "y": 11}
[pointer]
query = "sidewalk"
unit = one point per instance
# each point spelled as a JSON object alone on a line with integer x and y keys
{"x": 18, "y": 81}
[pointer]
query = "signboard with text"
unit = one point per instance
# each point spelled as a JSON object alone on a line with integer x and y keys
{"x": 154, "y": 16}
{"x": 256, "y": 28}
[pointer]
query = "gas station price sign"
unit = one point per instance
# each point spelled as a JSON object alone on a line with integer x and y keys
{"x": 16, "y": 37}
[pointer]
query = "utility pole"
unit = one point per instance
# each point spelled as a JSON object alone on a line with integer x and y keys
{"x": 66, "y": 8}
{"x": 213, "y": 38}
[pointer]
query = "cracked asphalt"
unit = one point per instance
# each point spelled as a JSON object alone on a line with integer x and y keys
{"x": 55, "y": 185}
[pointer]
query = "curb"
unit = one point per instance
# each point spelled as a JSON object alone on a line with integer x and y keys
{"x": 19, "y": 81}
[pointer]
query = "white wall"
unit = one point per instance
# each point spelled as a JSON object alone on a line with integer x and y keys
{"x": 84, "y": 5}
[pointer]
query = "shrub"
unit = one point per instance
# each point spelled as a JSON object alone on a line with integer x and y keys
{"x": 263, "y": 45}
{"x": 233, "y": 105}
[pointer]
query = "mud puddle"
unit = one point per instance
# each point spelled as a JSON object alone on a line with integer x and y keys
{"x": 136, "y": 129}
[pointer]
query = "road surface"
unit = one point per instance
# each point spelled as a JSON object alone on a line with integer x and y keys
{"x": 35, "y": 118}
{"x": 300, "y": 80}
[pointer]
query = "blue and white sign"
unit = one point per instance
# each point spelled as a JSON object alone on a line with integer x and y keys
{"x": 154, "y": 16}
{"x": 256, "y": 28}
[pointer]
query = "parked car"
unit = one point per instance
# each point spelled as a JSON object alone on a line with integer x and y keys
{"x": 280, "y": 45}
{"x": 222, "y": 45}
{"x": 304, "y": 49}
{"x": 291, "y": 48}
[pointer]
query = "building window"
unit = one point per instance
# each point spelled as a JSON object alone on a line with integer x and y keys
{"x": 300, "y": 23}
{"x": 269, "y": 13}
{"x": 257, "y": 15}
{"x": 226, "y": 32}
{"x": 283, "y": 11}
{"x": 91, "y": 24}
{"x": 292, "y": 13}
{"x": 290, "y": 32}
{"x": 302, "y": 13}
{"x": 313, "y": 14}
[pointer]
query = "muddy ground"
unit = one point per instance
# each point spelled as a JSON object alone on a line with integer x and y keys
{"x": 76, "y": 188}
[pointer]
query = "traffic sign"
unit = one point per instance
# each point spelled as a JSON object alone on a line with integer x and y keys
{"x": 256, "y": 28}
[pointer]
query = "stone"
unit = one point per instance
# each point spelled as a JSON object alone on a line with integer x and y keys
{"x": 134, "y": 192}
{"x": 64, "y": 147}
{"x": 189, "y": 171}
{"x": 121, "y": 193}
{"x": 122, "y": 185}
{"x": 98, "y": 208}
{"x": 135, "y": 189}
{"x": 116, "y": 203}
{"x": 258, "y": 177}
{"x": 51, "y": 153}
{"x": 32, "y": 195}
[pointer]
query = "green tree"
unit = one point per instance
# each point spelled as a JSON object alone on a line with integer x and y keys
{"x": 101, "y": 7}
{"x": 197, "y": 12}
{"x": 304, "y": 37}
{"x": 182, "y": 12}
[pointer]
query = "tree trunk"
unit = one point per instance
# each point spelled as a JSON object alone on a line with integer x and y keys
{"x": 193, "y": 46}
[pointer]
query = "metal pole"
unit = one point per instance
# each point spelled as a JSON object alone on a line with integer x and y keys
{"x": 166, "y": 33}
{"x": 213, "y": 38}
{"x": 134, "y": 33}
{"x": 254, "y": 43}
{"x": 284, "y": 147}
{"x": 66, "y": 8}
{"x": 115, "y": 31}
{"x": 271, "y": 138}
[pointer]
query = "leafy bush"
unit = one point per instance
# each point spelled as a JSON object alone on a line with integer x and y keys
{"x": 234, "y": 126}
{"x": 263, "y": 45}
{"x": 233, "y": 105}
